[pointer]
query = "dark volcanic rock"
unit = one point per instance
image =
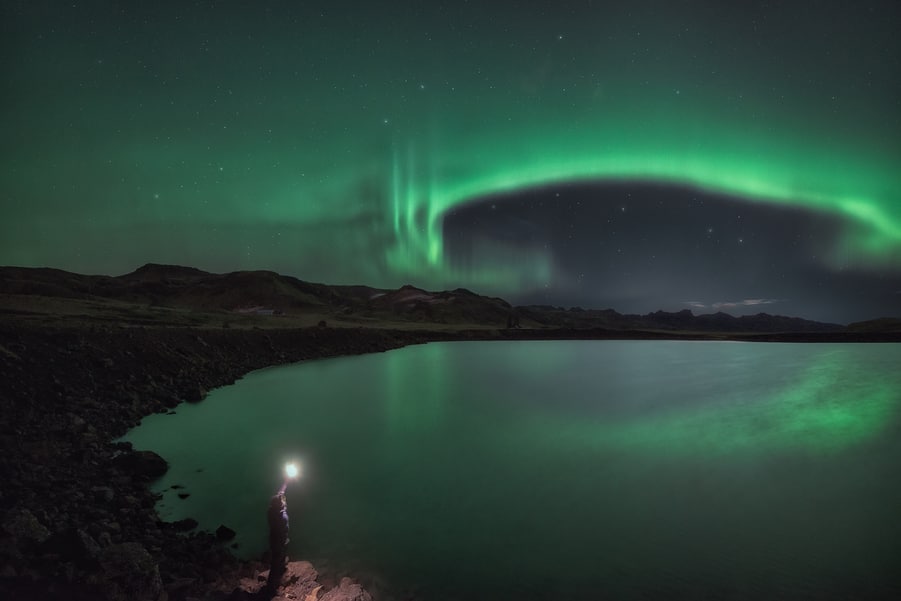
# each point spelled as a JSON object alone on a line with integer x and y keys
{"x": 142, "y": 464}
{"x": 184, "y": 525}
{"x": 347, "y": 590}
{"x": 194, "y": 394}
{"x": 73, "y": 544}
{"x": 25, "y": 527}
{"x": 129, "y": 574}
{"x": 223, "y": 532}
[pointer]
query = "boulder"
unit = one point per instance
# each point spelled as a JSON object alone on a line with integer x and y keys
{"x": 194, "y": 393}
{"x": 24, "y": 527}
{"x": 73, "y": 544}
{"x": 347, "y": 590}
{"x": 142, "y": 464}
{"x": 298, "y": 572}
{"x": 129, "y": 574}
{"x": 223, "y": 532}
{"x": 184, "y": 525}
{"x": 102, "y": 493}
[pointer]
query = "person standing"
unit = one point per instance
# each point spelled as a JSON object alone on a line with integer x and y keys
{"x": 278, "y": 538}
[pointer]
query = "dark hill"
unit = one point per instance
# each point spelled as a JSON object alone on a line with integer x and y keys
{"x": 885, "y": 324}
{"x": 176, "y": 287}
{"x": 267, "y": 292}
{"x": 154, "y": 272}
{"x": 681, "y": 321}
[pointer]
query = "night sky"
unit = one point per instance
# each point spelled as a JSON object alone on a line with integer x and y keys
{"x": 735, "y": 156}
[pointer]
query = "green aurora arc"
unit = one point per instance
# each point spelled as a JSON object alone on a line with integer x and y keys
{"x": 329, "y": 142}
{"x": 853, "y": 185}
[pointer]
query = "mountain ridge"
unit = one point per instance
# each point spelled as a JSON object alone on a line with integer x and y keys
{"x": 267, "y": 292}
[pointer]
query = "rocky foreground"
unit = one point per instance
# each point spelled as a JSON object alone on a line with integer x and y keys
{"x": 77, "y": 519}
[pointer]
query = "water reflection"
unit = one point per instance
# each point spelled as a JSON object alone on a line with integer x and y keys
{"x": 837, "y": 399}
{"x": 563, "y": 469}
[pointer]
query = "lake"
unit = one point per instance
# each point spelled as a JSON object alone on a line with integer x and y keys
{"x": 562, "y": 469}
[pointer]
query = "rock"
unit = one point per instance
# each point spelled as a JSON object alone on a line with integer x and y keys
{"x": 223, "y": 532}
{"x": 129, "y": 573}
{"x": 299, "y": 571}
{"x": 299, "y": 581}
{"x": 73, "y": 544}
{"x": 194, "y": 394}
{"x": 184, "y": 525}
{"x": 179, "y": 584}
{"x": 184, "y": 495}
{"x": 142, "y": 464}
{"x": 112, "y": 526}
{"x": 102, "y": 493}
{"x": 347, "y": 590}
{"x": 22, "y": 524}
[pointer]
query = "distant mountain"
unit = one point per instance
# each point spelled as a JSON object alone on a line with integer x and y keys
{"x": 268, "y": 292}
{"x": 256, "y": 291}
{"x": 154, "y": 272}
{"x": 885, "y": 324}
{"x": 682, "y": 321}
{"x": 457, "y": 306}
{"x": 176, "y": 286}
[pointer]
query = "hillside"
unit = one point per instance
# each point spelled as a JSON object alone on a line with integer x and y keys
{"x": 189, "y": 296}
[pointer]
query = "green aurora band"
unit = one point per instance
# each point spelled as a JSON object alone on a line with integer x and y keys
{"x": 329, "y": 142}
{"x": 858, "y": 187}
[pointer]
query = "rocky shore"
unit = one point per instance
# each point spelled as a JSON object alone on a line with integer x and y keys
{"x": 77, "y": 519}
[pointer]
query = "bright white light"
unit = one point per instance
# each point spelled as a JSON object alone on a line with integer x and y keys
{"x": 291, "y": 470}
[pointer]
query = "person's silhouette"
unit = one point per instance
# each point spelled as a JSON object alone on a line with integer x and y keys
{"x": 278, "y": 538}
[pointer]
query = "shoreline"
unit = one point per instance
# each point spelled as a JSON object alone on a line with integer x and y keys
{"x": 78, "y": 517}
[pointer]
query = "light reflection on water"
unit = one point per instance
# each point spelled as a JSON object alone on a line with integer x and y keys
{"x": 544, "y": 469}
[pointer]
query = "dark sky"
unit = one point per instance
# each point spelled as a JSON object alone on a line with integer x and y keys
{"x": 648, "y": 246}
{"x": 331, "y": 140}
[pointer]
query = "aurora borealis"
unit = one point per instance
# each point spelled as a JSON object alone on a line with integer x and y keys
{"x": 330, "y": 141}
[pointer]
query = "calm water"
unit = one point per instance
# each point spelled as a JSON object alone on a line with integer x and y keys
{"x": 551, "y": 470}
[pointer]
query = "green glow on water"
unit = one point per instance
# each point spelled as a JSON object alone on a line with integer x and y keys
{"x": 826, "y": 410}
{"x": 679, "y": 466}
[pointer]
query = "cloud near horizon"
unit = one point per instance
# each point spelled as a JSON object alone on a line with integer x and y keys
{"x": 748, "y": 302}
